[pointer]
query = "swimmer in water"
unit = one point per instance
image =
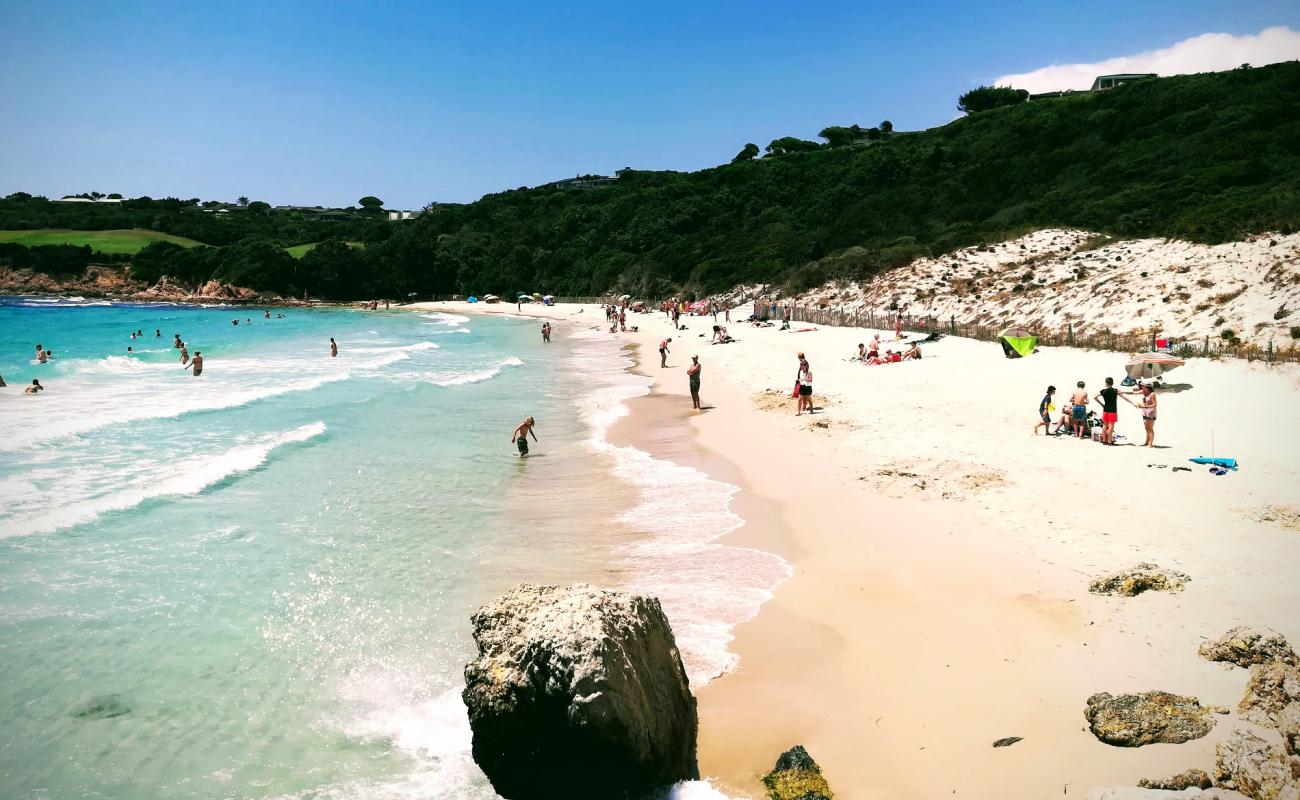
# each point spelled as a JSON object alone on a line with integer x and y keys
{"x": 520, "y": 436}
{"x": 334, "y": 348}
{"x": 185, "y": 355}
{"x": 197, "y": 363}
{"x": 42, "y": 355}
{"x": 34, "y": 388}
{"x": 177, "y": 343}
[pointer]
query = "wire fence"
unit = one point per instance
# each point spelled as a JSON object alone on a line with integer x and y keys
{"x": 1134, "y": 342}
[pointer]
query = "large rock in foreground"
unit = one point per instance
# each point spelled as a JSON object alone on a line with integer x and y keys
{"x": 796, "y": 777}
{"x": 1132, "y": 720}
{"x": 1246, "y": 646}
{"x": 1270, "y": 689}
{"x": 578, "y": 693}
{"x": 1255, "y": 768}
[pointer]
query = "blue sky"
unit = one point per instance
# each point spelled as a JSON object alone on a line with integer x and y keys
{"x": 321, "y": 103}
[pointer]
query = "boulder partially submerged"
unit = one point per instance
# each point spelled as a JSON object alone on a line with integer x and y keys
{"x": 1133, "y": 720}
{"x": 1246, "y": 646}
{"x": 1271, "y": 688}
{"x": 796, "y": 776}
{"x": 1249, "y": 764}
{"x": 1144, "y": 577}
{"x": 578, "y": 693}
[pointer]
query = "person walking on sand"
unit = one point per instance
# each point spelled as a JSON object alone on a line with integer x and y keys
{"x": 1079, "y": 411}
{"x": 1109, "y": 399}
{"x": 334, "y": 348}
{"x": 197, "y": 363}
{"x": 663, "y": 352}
{"x": 521, "y": 434}
{"x": 1045, "y": 412}
{"x": 693, "y": 376}
{"x": 1148, "y": 409}
{"x": 804, "y": 379}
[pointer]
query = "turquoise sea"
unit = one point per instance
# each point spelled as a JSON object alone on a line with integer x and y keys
{"x": 256, "y": 583}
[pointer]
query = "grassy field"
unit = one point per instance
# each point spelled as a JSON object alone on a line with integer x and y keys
{"x": 117, "y": 241}
{"x": 300, "y": 250}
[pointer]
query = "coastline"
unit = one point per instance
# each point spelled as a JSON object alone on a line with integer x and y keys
{"x": 921, "y": 624}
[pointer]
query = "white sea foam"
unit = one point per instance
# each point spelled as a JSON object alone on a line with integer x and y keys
{"x": 462, "y": 378}
{"x": 407, "y": 348}
{"x": 78, "y": 409}
{"x": 441, "y": 318}
{"x": 706, "y": 588}
{"x": 189, "y": 476}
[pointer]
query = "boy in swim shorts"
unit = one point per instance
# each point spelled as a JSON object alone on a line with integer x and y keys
{"x": 1079, "y": 410}
{"x": 520, "y": 436}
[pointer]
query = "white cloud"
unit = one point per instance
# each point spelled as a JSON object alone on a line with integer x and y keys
{"x": 1209, "y": 52}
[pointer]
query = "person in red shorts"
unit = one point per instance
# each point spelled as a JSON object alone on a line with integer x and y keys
{"x": 1109, "y": 399}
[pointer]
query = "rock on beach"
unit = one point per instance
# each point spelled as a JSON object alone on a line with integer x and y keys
{"x": 1133, "y": 720}
{"x": 1139, "y": 578}
{"x": 796, "y": 776}
{"x": 1271, "y": 688}
{"x": 578, "y": 692}
{"x": 1246, "y": 646}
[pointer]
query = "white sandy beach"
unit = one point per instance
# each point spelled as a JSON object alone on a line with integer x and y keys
{"x": 942, "y": 556}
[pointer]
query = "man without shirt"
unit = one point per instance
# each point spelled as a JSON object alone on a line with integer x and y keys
{"x": 1079, "y": 410}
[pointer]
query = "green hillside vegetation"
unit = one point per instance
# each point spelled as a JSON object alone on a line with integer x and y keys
{"x": 300, "y": 250}
{"x": 1207, "y": 158}
{"x": 108, "y": 242}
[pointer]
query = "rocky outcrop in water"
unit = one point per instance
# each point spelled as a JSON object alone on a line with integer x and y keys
{"x": 1133, "y": 720}
{"x": 578, "y": 693}
{"x": 1144, "y": 577}
{"x": 1257, "y": 769}
{"x": 796, "y": 776}
{"x": 1246, "y": 646}
{"x": 1271, "y": 688}
{"x": 114, "y": 282}
{"x": 1197, "y": 778}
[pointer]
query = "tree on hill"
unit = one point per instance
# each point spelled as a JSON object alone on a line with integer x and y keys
{"x": 258, "y": 207}
{"x": 839, "y": 136}
{"x": 371, "y": 203}
{"x": 886, "y": 127}
{"x": 985, "y": 97}
{"x": 243, "y": 201}
{"x": 790, "y": 144}
{"x": 747, "y": 153}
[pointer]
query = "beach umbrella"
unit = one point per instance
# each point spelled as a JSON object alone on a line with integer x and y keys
{"x": 1151, "y": 365}
{"x": 625, "y": 297}
{"x": 1017, "y": 342}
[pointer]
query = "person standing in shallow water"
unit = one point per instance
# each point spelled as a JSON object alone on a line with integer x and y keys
{"x": 693, "y": 376}
{"x": 334, "y": 348}
{"x": 197, "y": 363}
{"x": 521, "y": 434}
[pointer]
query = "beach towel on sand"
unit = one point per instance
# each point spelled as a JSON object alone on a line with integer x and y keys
{"x": 1227, "y": 463}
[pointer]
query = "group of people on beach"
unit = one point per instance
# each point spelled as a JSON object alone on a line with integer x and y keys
{"x": 871, "y": 355}
{"x": 1079, "y": 422}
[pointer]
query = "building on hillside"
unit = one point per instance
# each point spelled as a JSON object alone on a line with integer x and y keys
{"x": 71, "y": 199}
{"x": 580, "y": 182}
{"x": 396, "y": 216}
{"x": 1105, "y": 82}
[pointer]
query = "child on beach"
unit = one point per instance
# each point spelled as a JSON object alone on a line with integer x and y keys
{"x": 693, "y": 376}
{"x": 1045, "y": 412}
{"x": 520, "y": 436}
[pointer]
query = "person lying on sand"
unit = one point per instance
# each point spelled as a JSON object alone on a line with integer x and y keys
{"x": 520, "y": 436}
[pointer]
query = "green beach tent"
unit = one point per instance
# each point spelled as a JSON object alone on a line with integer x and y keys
{"x": 1017, "y": 342}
